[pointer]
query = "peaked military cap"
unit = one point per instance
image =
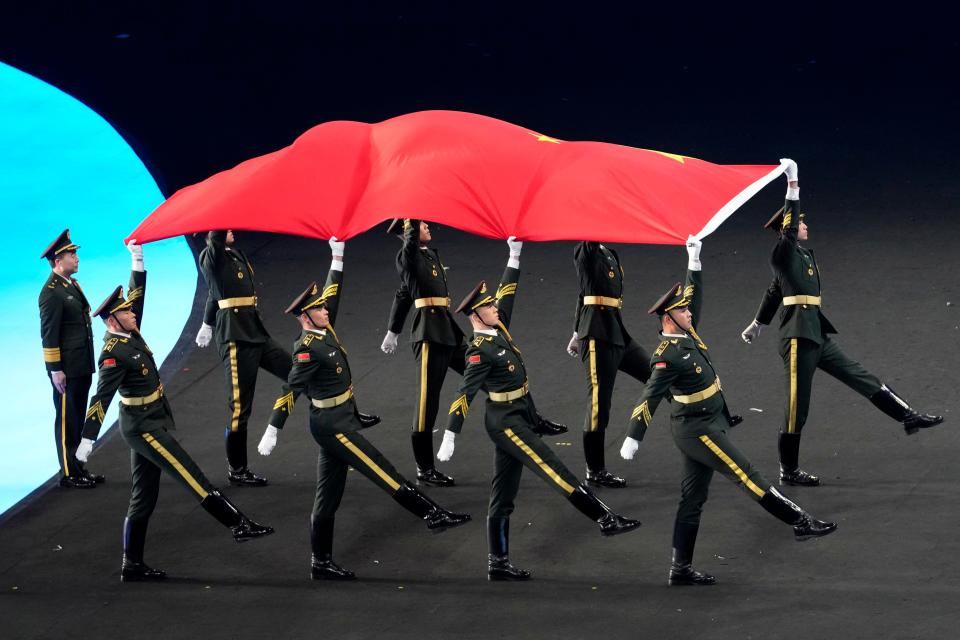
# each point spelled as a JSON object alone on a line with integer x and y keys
{"x": 677, "y": 296}
{"x": 476, "y": 299}
{"x": 114, "y": 302}
{"x": 311, "y": 297}
{"x": 777, "y": 222}
{"x": 60, "y": 245}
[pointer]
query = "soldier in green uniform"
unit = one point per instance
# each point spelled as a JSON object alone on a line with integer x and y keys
{"x": 699, "y": 421}
{"x": 805, "y": 339}
{"x": 604, "y": 346}
{"x": 127, "y": 366}
{"x": 242, "y": 340}
{"x": 437, "y": 339}
{"x": 495, "y": 364}
{"x": 321, "y": 371}
{"x": 67, "y": 340}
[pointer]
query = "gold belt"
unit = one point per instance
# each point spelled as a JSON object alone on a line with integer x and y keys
{"x": 138, "y": 401}
{"x": 419, "y": 303}
{"x": 229, "y": 303}
{"x": 327, "y": 403}
{"x": 792, "y": 300}
{"x": 604, "y": 301}
{"x": 700, "y": 395}
{"x": 507, "y": 396}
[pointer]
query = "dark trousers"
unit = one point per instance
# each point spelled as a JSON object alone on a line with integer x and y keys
{"x": 518, "y": 447}
{"x": 801, "y": 358}
{"x": 337, "y": 453}
{"x": 241, "y": 363}
{"x": 70, "y": 407}
{"x": 601, "y": 361}
{"x": 150, "y": 454}
{"x": 433, "y": 360}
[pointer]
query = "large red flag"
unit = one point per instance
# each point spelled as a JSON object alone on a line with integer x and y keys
{"x": 468, "y": 171}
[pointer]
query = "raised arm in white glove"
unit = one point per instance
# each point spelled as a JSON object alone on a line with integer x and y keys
{"x": 268, "y": 441}
{"x": 336, "y": 248}
{"x": 573, "y": 347}
{"x": 136, "y": 255}
{"x": 84, "y": 450}
{"x": 752, "y": 331}
{"x": 204, "y": 335}
{"x": 389, "y": 342}
{"x": 793, "y": 171}
{"x": 446, "y": 447}
{"x": 515, "y": 247}
{"x": 629, "y": 448}
{"x": 693, "y": 253}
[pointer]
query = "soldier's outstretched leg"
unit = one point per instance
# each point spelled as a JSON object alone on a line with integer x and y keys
{"x": 804, "y": 525}
{"x": 134, "y": 569}
{"x": 322, "y": 566}
{"x": 227, "y": 514}
{"x": 887, "y": 400}
{"x": 611, "y": 524}
{"x": 419, "y": 504}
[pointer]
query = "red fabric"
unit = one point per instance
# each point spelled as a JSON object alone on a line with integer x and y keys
{"x": 475, "y": 358}
{"x": 464, "y": 170}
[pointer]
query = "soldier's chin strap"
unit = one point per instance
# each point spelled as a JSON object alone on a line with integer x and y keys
{"x": 489, "y": 326}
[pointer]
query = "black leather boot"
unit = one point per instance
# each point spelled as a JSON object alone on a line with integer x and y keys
{"x": 897, "y": 408}
{"x": 227, "y": 514}
{"x": 498, "y": 560}
{"x": 77, "y": 482}
{"x": 133, "y": 568}
{"x": 790, "y": 471}
{"x": 611, "y": 524}
{"x": 367, "y": 420}
{"x": 682, "y": 572}
{"x": 93, "y": 477}
{"x": 322, "y": 566}
{"x": 597, "y": 473}
{"x": 546, "y": 427}
{"x": 423, "y": 454}
{"x": 804, "y": 525}
{"x": 245, "y": 478}
{"x": 438, "y": 519}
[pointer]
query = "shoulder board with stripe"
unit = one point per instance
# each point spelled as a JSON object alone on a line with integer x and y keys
{"x": 661, "y": 348}
{"x": 307, "y": 339}
{"x": 111, "y": 343}
{"x": 478, "y": 341}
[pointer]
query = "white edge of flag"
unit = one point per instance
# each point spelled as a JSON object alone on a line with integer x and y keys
{"x": 738, "y": 201}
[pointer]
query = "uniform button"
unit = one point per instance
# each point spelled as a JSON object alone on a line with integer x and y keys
{"x": 235, "y": 310}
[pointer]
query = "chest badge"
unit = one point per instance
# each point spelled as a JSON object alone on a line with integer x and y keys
{"x": 145, "y": 371}
{"x": 611, "y": 274}
{"x": 339, "y": 370}
{"x": 699, "y": 369}
{"x": 511, "y": 367}
{"x": 810, "y": 271}
{"x": 435, "y": 274}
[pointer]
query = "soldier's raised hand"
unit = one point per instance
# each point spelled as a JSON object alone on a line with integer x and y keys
{"x": 693, "y": 253}
{"x": 336, "y": 247}
{"x": 573, "y": 347}
{"x": 751, "y": 332}
{"x": 136, "y": 254}
{"x": 515, "y": 246}
{"x": 446, "y": 447}
{"x": 389, "y": 342}
{"x": 629, "y": 448}
{"x": 792, "y": 171}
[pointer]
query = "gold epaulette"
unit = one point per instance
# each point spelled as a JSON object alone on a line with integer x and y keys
{"x": 307, "y": 339}
{"x": 111, "y": 343}
{"x": 661, "y": 348}
{"x": 478, "y": 341}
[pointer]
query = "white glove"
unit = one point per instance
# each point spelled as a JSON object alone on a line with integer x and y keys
{"x": 752, "y": 331}
{"x": 573, "y": 347}
{"x": 515, "y": 246}
{"x": 136, "y": 255}
{"x": 83, "y": 451}
{"x": 446, "y": 447}
{"x": 792, "y": 172}
{"x": 693, "y": 253}
{"x": 268, "y": 441}
{"x": 629, "y": 448}
{"x": 59, "y": 379}
{"x": 336, "y": 247}
{"x": 389, "y": 342}
{"x": 204, "y": 335}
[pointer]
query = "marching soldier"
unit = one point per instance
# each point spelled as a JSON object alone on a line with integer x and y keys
{"x": 495, "y": 364}
{"x": 805, "y": 342}
{"x": 127, "y": 366}
{"x": 67, "y": 340}
{"x": 604, "y": 346}
{"x": 699, "y": 421}
{"x": 437, "y": 339}
{"x": 242, "y": 340}
{"x": 321, "y": 370}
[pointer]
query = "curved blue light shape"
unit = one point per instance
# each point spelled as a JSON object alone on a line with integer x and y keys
{"x": 62, "y": 165}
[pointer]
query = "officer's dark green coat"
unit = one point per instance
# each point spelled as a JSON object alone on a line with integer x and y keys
{"x": 65, "y": 329}
{"x": 600, "y": 274}
{"x": 229, "y": 274}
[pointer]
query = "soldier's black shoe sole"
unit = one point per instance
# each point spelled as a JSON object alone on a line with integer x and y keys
{"x": 501, "y": 576}
{"x": 77, "y": 482}
{"x": 434, "y": 478}
{"x": 347, "y": 576}
{"x": 700, "y": 580}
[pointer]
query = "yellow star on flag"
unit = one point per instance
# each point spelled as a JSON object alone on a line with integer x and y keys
{"x": 672, "y": 156}
{"x": 542, "y": 138}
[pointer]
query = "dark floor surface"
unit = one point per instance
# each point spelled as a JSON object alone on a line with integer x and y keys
{"x": 890, "y": 571}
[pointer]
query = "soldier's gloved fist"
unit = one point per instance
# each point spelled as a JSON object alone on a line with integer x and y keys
{"x": 629, "y": 448}
{"x": 84, "y": 450}
{"x": 204, "y": 335}
{"x": 389, "y": 342}
{"x": 136, "y": 254}
{"x": 268, "y": 441}
{"x": 515, "y": 246}
{"x": 446, "y": 447}
{"x": 573, "y": 347}
{"x": 752, "y": 331}
{"x": 693, "y": 253}
{"x": 336, "y": 247}
{"x": 792, "y": 171}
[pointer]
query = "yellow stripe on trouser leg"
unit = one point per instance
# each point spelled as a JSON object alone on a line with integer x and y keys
{"x": 63, "y": 432}
{"x": 176, "y": 465}
{"x": 540, "y": 463}
{"x": 792, "y": 411}
{"x": 595, "y": 387}
{"x": 235, "y": 383}
{"x": 355, "y": 450}
{"x": 422, "y": 408}
{"x": 747, "y": 482}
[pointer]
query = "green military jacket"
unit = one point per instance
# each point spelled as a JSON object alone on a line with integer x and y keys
{"x": 65, "y": 329}
{"x": 681, "y": 367}
{"x": 229, "y": 274}
{"x": 127, "y": 366}
{"x": 422, "y": 276}
{"x": 494, "y": 363}
{"x": 600, "y": 274}
{"x": 795, "y": 273}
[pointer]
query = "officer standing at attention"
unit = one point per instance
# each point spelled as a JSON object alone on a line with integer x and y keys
{"x": 242, "y": 340}
{"x": 805, "y": 342}
{"x": 604, "y": 346}
{"x": 321, "y": 370}
{"x": 126, "y": 365}
{"x": 67, "y": 340}
{"x": 699, "y": 421}
{"x": 495, "y": 364}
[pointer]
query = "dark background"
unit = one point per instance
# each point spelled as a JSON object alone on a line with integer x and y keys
{"x": 864, "y": 98}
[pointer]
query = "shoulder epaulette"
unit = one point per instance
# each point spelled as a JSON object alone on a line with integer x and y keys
{"x": 661, "y": 348}
{"x": 111, "y": 343}
{"x": 478, "y": 341}
{"x": 307, "y": 339}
